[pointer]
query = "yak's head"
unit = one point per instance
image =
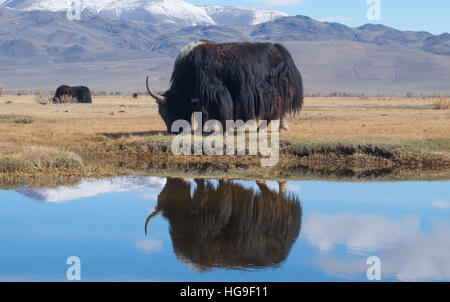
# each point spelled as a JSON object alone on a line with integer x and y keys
{"x": 171, "y": 107}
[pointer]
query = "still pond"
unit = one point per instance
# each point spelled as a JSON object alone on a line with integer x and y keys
{"x": 139, "y": 228}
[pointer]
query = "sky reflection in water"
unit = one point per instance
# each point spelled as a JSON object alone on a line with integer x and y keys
{"x": 226, "y": 231}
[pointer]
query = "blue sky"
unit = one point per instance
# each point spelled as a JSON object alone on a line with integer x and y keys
{"x": 416, "y": 15}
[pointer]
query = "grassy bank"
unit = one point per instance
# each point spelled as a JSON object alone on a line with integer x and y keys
{"x": 356, "y": 138}
{"x": 298, "y": 159}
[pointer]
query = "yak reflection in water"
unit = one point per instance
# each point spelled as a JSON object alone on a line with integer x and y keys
{"x": 228, "y": 225}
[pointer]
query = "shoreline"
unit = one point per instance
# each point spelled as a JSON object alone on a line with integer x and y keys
{"x": 331, "y": 138}
{"x": 298, "y": 160}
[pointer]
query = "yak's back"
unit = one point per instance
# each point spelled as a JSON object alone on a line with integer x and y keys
{"x": 241, "y": 80}
{"x": 81, "y": 93}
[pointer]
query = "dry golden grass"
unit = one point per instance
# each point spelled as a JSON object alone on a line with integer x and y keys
{"x": 69, "y": 124}
{"x": 42, "y": 98}
{"x": 388, "y": 120}
{"x": 92, "y": 130}
{"x": 65, "y": 99}
{"x": 322, "y": 119}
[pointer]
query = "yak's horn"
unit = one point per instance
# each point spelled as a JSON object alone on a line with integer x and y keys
{"x": 159, "y": 99}
{"x": 154, "y": 214}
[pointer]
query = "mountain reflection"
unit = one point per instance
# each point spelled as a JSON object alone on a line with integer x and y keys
{"x": 94, "y": 187}
{"x": 226, "y": 225}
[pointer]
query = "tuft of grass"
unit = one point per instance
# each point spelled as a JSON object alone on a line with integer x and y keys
{"x": 42, "y": 98}
{"x": 12, "y": 164}
{"x": 35, "y": 159}
{"x": 65, "y": 99}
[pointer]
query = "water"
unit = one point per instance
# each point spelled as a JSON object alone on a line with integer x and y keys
{"x": 226, "y": 230}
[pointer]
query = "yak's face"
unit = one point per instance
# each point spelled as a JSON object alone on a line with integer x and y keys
{"x": 174, "y": 108}
{"x": 166, "y": 115}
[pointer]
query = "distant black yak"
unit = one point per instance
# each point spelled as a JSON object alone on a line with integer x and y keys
{"x": 81, "y": 94}
{"x": 232, "y": 81}
{"x": 228, "y": 225}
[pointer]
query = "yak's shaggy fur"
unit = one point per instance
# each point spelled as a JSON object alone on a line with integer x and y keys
{"x": 81, "y": 93}
{"x": 233, "y": 81}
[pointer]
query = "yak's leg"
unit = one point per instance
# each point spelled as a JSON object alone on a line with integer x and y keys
{"x": 262, "y": 185}
{"x": 282, "y": 187}
{"x": 199, "y": 182}
{"x": 283, "y": 123}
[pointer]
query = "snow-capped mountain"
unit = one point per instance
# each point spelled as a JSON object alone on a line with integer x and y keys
{"x": 238, "y": 16}
{"x": 154, "y": 11}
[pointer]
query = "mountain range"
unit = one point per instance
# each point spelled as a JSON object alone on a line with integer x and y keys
{"x": 154, "y": 11}
{"x": 117, "y": 43}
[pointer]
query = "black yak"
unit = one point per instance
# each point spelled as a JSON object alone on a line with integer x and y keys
{"x": 232, "y": 81}
{"x": 81, "y": 94}
{"x": 227, "y": 225}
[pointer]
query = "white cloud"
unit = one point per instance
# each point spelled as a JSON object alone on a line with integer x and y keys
{"x": 149, "y": 245}
{"x": 441, "y": 204}
{"x": 407, "y": 253}
{"x": 357, "y": 232}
